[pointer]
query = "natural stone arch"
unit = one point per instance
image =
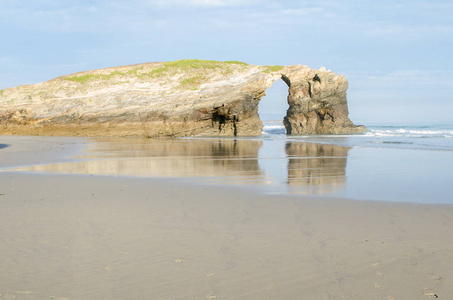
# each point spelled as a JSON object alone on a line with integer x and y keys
{"x": 316, "y": 100}
{"x": 173, "y": 99}
{"x": 317, "y": 103}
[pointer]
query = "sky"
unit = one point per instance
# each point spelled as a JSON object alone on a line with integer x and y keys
{"x": 396, "y": 55}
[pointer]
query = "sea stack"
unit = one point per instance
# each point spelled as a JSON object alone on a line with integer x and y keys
{"x": 176, "y": 99}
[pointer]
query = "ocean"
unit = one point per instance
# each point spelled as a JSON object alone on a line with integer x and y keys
{"x": 391, "y": 162}
{"x": 399, "y": 163}
{"x": 403, "y": 136}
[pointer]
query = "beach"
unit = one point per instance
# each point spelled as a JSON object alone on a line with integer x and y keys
{"x": 96, "y": 233}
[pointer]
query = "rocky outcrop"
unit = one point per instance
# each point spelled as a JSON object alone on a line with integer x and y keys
{"x": 181, "y": 98}
{"x": 317, "y": 103}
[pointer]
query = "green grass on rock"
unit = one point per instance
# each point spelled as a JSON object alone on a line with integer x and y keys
{"x": 196, "y": 68}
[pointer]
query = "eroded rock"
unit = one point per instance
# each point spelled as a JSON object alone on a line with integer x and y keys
{"x": 181, "y": 98}
{"x": 317, "y": 103}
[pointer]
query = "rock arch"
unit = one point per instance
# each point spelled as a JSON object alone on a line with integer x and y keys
{"x": 182, "y": 98}
{"x": 317, "y": 104}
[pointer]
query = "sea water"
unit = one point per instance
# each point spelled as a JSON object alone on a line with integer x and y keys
{"x": 391, "y": 162}
{"x": 400, "y": 136}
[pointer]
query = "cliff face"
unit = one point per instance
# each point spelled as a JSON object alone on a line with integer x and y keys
{"x": 181, "y": 98}
{"x": 317, "y": 103}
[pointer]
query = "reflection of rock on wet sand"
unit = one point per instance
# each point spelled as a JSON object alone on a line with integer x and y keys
{"x": 312, "y": 168}
{"x": 165, "y": 158}
{"x": 319, "y": 168}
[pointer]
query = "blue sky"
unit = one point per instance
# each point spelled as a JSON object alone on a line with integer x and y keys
{"x": 396, "y": 55}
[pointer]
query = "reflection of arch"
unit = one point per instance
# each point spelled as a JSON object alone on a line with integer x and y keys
{"x": 319, "y": 167}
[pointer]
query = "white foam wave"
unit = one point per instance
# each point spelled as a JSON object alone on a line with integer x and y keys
{"x": 413, "y": 133}
{"x": 270, "y": 127}
{"x": 274, "y": 129}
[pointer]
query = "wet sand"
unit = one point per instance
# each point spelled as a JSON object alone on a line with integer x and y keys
{"x": 101, "y": 237}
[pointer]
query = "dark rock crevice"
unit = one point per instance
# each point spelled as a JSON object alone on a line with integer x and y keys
{"x": 316, "y": 78}
{"x": 286, "y": 80}
{"x": 222, "y": 117}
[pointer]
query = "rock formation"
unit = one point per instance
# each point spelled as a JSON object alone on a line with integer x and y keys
{"x": 173, "y": 99}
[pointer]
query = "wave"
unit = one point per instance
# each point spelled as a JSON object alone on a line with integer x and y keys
{"x": 412, "y": 133}
{"x": 268, "y": 127}
{"x": 395, "y": 133}
{"x": 274, "y": 129}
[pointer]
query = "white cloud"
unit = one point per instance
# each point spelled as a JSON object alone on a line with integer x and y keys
{"x": 202, "y": 3}
{"x": 302, "y": 11}
{"x": 143, "y": 17}
{"x": 409, "y": 81}
{"x": 408, "y": 30}
{"x": 5, "y": 59}
{"x": 219, "y": 3}
{"x": 422, "y": 77}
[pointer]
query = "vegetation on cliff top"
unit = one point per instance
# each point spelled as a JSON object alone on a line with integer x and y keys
{"x": 188, "y": 64}
{"x": 87, "y": 77}
{"x": 166, "y": 68}
{"x": 193, "y": 72}
{"x": 270, "y": 69}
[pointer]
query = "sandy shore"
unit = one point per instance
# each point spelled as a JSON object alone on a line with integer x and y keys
{"x": 94, "y": 237}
